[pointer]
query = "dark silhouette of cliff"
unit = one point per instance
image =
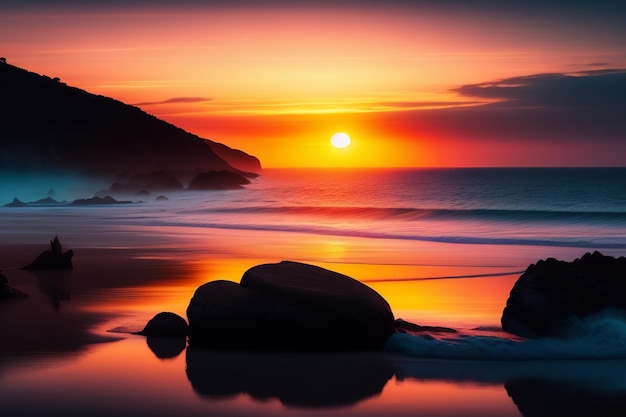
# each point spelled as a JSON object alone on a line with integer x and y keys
{"x": 48, "y": 125}
{"x": 235, "y": 157}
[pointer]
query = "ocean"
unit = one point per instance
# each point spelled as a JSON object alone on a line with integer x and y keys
{"x": 547, "y": 207}
{"x": 443, "y": 246}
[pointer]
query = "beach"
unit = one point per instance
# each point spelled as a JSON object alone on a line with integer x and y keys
{"x": 80, "y": 357}
{"x": 83, "y": 346}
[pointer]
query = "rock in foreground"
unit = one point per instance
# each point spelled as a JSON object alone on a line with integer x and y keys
{"x": 166, "y": 324}
{"x": 289, "y": 306}
{"x": 551, "y": 292}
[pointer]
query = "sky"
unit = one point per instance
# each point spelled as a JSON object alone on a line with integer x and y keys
{"x": 414, "y": 83}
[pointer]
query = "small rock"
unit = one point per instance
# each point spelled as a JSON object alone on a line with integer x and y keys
{"x": 166, "y": 324}
{"x": 52, "y": 259}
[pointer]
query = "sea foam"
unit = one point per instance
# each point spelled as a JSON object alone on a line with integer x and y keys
{"x": 602, "y": 336}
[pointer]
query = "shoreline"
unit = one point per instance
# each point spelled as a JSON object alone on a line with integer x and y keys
{"x": 135, "y": 271}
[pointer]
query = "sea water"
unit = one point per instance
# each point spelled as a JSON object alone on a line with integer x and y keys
{"x": 548, "y": 207}
{"x": 443, "y": 246}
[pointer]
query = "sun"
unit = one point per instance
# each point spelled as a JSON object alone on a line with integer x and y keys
{"x": 340, "y": 140}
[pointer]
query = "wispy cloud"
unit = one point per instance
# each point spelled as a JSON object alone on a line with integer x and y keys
{"x": 604, "y": 88}
{"x": 175, "y": 100}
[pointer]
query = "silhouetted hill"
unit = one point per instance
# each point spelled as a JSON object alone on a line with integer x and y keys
{"x": 236, "y": 158}
{"x": 47, "y": 125}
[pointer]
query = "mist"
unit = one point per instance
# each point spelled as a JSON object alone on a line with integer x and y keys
{"x": 33, "y": 186}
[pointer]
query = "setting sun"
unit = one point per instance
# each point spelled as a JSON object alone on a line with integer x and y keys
{"x": 340, "y": 140}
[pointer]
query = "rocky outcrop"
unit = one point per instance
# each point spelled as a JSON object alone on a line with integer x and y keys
{"x": 54, "y": 258}
{"x": 236, "y": 158}
{"x": 97, "y": 201}
{"x": 156, "y": 181}
{"x": 7, "y": 292}
{"x": 551, "y": 292}
{"x": 289, "y": 306}
{"x": 218, "y": 180}
{"x": 16, "y": 203}
{"x": 403, "y": 326}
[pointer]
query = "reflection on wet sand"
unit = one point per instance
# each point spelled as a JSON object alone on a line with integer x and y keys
{"x": 306, "y": 380}
{"x": 295, "y": 379}
{"x": 538, "y": 387}
{"x": 166, "y": 347}
{"x": 55, "y": 285}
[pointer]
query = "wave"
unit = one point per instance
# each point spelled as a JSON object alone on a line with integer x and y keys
{"x": 602, "y": 336}
{"x": 351, "y": 231}
{"x": 412, "y": 214}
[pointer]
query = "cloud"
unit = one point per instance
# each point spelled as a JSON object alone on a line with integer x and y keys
{"x": 586, "y": 107}
{"x": 414, "y": 105}
{"x": 174, "y": 100}
{"x": 598, "y": 88}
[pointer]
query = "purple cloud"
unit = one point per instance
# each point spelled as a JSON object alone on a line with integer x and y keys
{"x": 175, "y": 100}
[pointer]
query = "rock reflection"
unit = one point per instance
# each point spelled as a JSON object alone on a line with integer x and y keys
{"x": 55, "y": 285}
{"x": 536, "y": 397}
{"x": 295, "y": 379}
{"x": 538, "y": 388}
{"x": 166, "y": 347}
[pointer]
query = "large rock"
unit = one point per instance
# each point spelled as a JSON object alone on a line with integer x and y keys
{"x": 551, "y": 292}
{"x": 289, "y": 306}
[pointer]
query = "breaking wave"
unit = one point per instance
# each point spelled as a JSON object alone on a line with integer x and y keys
{"x": 482, "y": 226}
{"x": 408, "y": 214}
{"x": 598, "y": 337}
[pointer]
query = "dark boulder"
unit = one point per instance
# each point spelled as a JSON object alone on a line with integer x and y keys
{"x": 166, "y": 324}
{"x": 551, "y": 292}
{"x": 218, "y": 180}
{"x": 54, "y": 258}
{"x": 7, "y": 292}
{"x": 289, "y": 306}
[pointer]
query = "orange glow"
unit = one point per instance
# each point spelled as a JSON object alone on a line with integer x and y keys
{"x": 277, "y": 81}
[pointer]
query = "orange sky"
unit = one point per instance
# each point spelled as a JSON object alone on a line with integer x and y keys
{"x": 411, "y": 82}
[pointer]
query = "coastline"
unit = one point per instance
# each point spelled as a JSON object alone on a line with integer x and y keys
{"x": 139, "y": 271}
